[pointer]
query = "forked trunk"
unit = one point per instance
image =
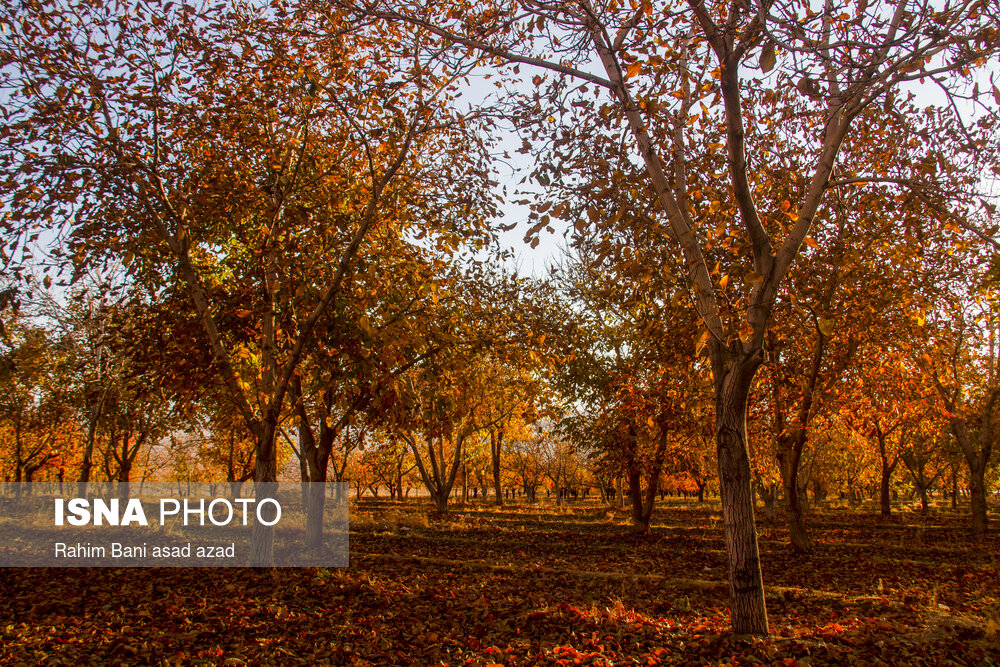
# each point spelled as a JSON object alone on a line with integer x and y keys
{"x": 643, "y": 503}
{"x": 733, "y": 376}
{"x": 317, "y": 459}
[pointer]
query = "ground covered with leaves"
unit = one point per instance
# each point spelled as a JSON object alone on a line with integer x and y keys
{"x": 534, "y": 586}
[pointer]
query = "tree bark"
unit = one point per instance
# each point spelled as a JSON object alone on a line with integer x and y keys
{"x": 954, "y": 486}
{"x": 640, "y": 521}
{"x": 788, "y": 460}
{"x": 733, "y": 374}
{"x": 496, "y": 442}
{"x": 977, "y": 456}
{"x": 888, "y": 467}
{"x": 86, "y": 461}
{"x": 883, "y": 491}
{"x": 124, "y": 479}
{"x": 977, "y": 493}
{"x": 265, "y": 483}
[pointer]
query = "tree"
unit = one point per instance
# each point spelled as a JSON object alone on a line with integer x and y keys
{"x": 36, "y": 403}
{"x": 841, "y": 59}
{"x": 921, "y": 455}
{"x": 627, "y": 361}
{"x": 961, "y": 362}
{"x": 175, "y": 168}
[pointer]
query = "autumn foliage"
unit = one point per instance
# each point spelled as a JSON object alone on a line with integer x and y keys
{"x": 244, "y": 243}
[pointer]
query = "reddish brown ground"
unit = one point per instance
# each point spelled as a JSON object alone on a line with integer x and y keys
{"x": 530, "y": 586}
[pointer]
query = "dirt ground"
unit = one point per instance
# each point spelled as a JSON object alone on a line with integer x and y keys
{"x": 530, "y": 585}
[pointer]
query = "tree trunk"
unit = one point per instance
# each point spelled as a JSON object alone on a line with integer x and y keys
{"x": 788, "y": 460}
{"x": 883, "y": 492}
{"x": 496, "y": 442}
{"x": 314, "y": 460}
{"x": 441, "y": 502}
{"x": 265, "y": 483}
{"x": 954, "y": 486}
{"x": 124, "y": 474}
{"x": 303, "y": 473}
{"x": 733, "y": 375}
{"x": 465, "y": 483}
{"x": 314, "y": 514}
{"x": 639, "y": 522}
{"x": 977, "y": 492}
{"x": 977, "y": 456}
{"x": 86, "y": 462}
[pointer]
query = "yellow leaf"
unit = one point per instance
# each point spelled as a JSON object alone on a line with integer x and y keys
{"x": 633, "y": 70}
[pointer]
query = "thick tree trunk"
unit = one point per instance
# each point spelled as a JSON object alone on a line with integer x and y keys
{"x": 441, "y": 502}
{"x": 733, "y": 376}
{"x": 265, "y": 483}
